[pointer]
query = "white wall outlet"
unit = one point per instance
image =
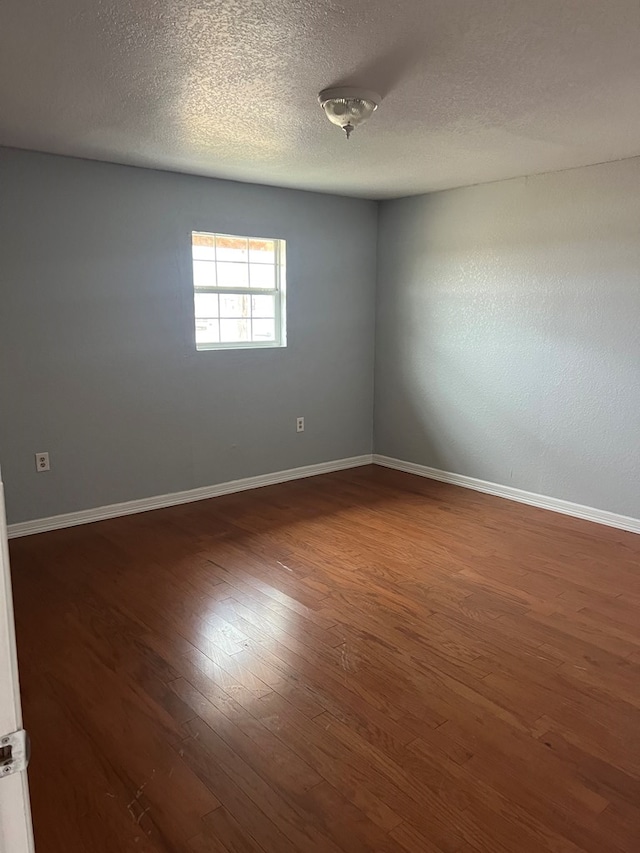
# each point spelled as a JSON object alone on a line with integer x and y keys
{"x": 299, "y": 424}
{"x": 42, "y": 462}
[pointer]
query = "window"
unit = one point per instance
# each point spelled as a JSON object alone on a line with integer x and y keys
{"x": 238, "y": 285}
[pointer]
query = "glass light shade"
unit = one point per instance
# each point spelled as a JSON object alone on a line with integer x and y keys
{"x": 348, "y": 107}
{"x": 343, "y": 111}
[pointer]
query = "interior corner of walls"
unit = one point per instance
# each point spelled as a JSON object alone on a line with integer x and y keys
{"x": 376, "y": 337}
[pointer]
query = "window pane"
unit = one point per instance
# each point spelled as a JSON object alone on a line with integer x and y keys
{"x": 234, "y": 331}
{"x": 234, "y": 305}
{"x": 204, "y": 274}
{"x": 263, "y": 275}
{"x": 232, "y": 248}
{"x": 262, "y": 252}
{"x": 206, "y": 304}
{"x": 203, "y": 246}
{"x": 207, "y": 332}
{"x": 264, "y": 330}
{"x": 236, "y": 297}
{"x": 263, "y": 306}
{"x": 233, "y": 275}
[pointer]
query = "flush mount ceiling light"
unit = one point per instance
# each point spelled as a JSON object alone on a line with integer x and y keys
{"x": 348, "y": 107}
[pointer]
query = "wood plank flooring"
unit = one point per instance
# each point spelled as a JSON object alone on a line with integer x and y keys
{"x": 363, "y": 661}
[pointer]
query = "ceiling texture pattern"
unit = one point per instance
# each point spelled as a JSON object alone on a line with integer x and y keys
{"x": 472, "y": 91}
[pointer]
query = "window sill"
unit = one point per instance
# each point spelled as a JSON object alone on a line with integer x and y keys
{"x": 247, "y": 346}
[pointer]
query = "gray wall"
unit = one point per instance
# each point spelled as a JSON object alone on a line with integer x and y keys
{"x": 507, "y": 338}
{"x": 508, "y": 334}
{"x": 97, "y": 359}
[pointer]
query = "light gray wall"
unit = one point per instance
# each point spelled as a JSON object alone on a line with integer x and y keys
{"x": 97, "y": 358}
{"x": 507, "y": 338}
{"x": 508, "y": 334}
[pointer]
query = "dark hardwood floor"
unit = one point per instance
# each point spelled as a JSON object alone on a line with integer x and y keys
{"x": 363, "y": 661}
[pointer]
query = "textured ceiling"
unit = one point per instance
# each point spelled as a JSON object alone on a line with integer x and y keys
{"x": 473, "y": 91}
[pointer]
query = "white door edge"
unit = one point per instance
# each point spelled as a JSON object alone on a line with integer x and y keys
{"x": 16, "y": 833}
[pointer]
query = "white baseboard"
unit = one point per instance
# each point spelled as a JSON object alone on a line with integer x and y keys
{"x": 71, "y": 519}
{"x": 85, "y": 516}
{"x": 600, "y": 516}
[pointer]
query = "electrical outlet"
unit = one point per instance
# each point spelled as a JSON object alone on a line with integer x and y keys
{"x": 42, "y": 462}
{"x": 299, "y": 424}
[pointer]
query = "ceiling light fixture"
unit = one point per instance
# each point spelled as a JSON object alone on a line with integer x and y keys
{"x": 348, "y": 107}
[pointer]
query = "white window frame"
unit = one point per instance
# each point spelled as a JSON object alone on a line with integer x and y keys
{"x": 278, "y": 292}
